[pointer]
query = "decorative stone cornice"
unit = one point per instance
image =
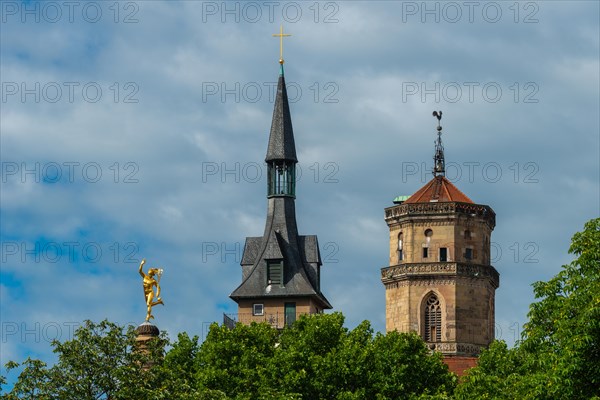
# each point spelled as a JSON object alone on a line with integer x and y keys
{"x": 419, "y": 282}
{"x": 395, "y": 213}
{"x": 456, "y": 348}
{"x": 439, "y": 271}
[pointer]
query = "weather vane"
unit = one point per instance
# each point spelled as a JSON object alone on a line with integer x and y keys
{"x": 150, "y": 282}
{"x": 439, "y": 164}
{"x": 281, "y": 35}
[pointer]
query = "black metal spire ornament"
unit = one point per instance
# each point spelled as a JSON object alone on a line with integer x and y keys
{"x": 439, "y": 165}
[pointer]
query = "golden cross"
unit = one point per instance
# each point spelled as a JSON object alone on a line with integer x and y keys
{"x": 281, "y": 35}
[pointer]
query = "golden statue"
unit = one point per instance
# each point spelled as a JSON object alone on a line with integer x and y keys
{"x": 149, "y": 283}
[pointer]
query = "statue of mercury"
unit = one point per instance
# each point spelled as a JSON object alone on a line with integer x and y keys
{"x": 149, "y": 282}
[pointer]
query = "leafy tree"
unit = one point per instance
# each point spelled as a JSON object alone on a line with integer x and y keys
{"x": 175, "y": 375}
{"x": 235, "y": 361}
{"x": 564, "y": 326}
{"x": 315, "y": 358}
{"x": 309, "y": 353}
{"x": 559, "y": 354}
{"x": 406, "y": 368}
{"x": 319, "y": 358}
{"x": 501, "y": 373}
{"x": 99, "y": 362}
{"x": 33, "y": 382}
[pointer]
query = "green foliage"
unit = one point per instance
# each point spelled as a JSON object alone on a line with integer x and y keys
{"x": 405, "y": 365}
{"x": 97, "y": 363}
{"x": 313, "y": 358}
{"x": 316, "y": 358}
{"x": 499, "y": 375}
{"x": 235, "y": 361}
{"x": 559, "y": 355}
{"x": 34, "y": 380}
{"x": 173, "y": 377}
{"x": 564, "y": 326}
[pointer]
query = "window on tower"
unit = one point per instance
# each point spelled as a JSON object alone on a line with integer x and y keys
{"x": 467, "y": 234}
{"x": 425, "y": 252}
{"x": 432, "y": 319}
{"x": 400, "y": 247}
{"x": 468, "y": 254}
{"x": 443, "y": 254}
{"x": 258, "y": 309}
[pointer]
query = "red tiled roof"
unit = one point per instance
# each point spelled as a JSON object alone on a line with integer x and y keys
{"x": 438, "y": 189}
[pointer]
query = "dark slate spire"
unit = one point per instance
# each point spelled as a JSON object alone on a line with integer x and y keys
{"x": 281, "y": 141}
{"x": 281, "y": 264}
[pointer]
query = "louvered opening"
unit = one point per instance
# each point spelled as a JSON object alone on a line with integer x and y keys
{"x": 433, "y": 319}
{"x": 275, "y": 272}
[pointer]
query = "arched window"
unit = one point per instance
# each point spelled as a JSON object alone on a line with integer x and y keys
{"x": 428, "y": 234}
{"x": 400, "y": 245}
{"x": 433, "y": 319}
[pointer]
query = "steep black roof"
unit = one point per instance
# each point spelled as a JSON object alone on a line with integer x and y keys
{"x": 300, "y": 255}
{"x": 281, "y": 140}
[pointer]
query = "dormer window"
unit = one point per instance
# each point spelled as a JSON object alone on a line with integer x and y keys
{"x": 275, "y": 272}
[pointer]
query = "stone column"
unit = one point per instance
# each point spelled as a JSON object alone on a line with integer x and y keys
{"x": 144, "y": 333}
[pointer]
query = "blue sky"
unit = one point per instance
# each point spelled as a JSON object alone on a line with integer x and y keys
{"x": 139, "y": 128}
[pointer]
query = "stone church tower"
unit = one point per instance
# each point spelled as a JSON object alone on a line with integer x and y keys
{"x": 281, "y": 276}
{"x": 440, "y": 282}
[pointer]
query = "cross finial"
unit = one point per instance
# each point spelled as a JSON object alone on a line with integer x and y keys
{"x": 281, "y": 35}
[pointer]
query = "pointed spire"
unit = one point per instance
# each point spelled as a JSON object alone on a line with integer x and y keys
{"x": 281, "y": 255}
{"x": 439, "y": 164}
{"x": 281, "y": 140}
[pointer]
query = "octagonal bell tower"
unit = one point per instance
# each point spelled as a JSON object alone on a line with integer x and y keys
{"x": 440, "y": 281}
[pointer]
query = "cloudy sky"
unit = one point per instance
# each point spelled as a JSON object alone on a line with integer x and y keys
{"x": 137, "y": 129}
